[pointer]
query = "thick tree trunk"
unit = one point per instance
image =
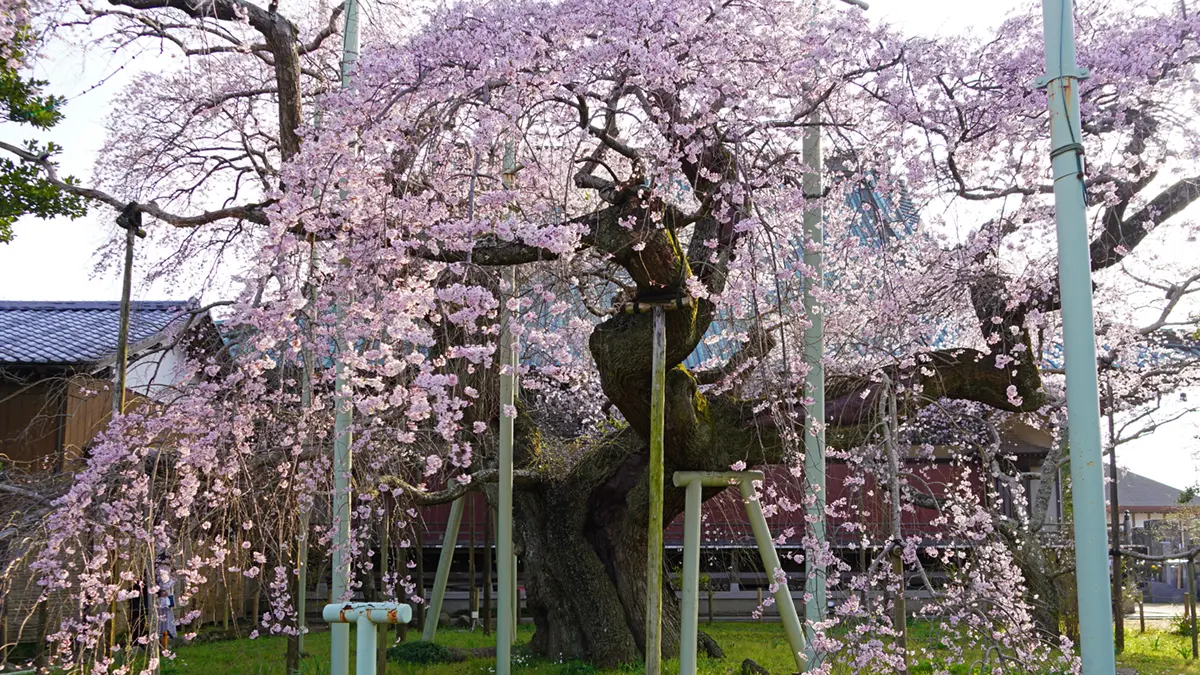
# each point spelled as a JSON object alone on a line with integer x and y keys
{"x": 582, "y": 544}
{"x": 582, "y": 533}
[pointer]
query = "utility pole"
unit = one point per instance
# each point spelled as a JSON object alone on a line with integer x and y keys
{"x": 339, "y": 647}
{"x": 130, "y": 220}
{"x": 1075, "y": 286}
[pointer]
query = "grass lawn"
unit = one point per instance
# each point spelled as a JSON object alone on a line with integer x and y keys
{"x": 1155, "y": 652}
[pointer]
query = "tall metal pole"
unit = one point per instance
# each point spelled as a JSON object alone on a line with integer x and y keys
{"x": 1075, "y": 285}
{"x": 814, "y": 353}
{"x": 505, "y": 630}
{"x": 342, "y": 465}
{"x": 349, "y": 43}
{"x": 654, "y": 535}
{"x": 339, "y": 647}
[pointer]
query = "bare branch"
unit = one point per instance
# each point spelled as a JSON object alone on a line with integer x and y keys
{"x": 254, "y": 213}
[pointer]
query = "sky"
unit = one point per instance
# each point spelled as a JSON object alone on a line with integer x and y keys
{"x": 56, "y": 260}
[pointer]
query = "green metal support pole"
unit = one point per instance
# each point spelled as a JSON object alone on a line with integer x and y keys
{"x": 349, "y": 43}
{"x": 339, "y": 650}
{"x": 505, "y": 610}
{"x": 1075, "y": 285}
{"x": 814, "y": 354}
{"x": 339, "y": 645}
{"x": 302, "y": 582}
{"x": 443, "y": 569}
{"x": 654, "y": 538}
{"x": 691, "y": 580}
{"x": 770, "y": 560}
{"x": 1191, "y": 578}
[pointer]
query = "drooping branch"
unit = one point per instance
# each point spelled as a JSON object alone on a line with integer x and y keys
{"x": 760, "y": 342}
{"x": 421, "y": 497}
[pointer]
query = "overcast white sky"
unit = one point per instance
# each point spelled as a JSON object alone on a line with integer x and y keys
{"x": 55, "y": 260}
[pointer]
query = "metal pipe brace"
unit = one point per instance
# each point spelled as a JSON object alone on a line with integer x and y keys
{"x": 378, "y": 613}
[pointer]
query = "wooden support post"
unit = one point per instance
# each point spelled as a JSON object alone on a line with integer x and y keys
{"x": 1141, "y": 612}
{"x": 654, "y": 540}
{"x": 131, "y": 221}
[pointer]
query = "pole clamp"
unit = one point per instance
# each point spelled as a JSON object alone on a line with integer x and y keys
{"x": 1077, "y": 148}
{"x": 1044, "y": 81}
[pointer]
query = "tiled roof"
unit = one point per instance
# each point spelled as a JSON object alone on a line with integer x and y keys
{"x": 1135, "y": 491}
{"x": 68, "y": 333}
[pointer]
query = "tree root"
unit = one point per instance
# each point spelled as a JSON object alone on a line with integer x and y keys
{"x": 749, "y": 667}
{"x": 709, "y": 645}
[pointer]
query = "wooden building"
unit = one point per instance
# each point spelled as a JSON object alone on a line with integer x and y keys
{"x": 56, "y": 395}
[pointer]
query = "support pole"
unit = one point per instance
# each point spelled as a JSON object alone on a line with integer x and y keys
{"x": 654, "y": 534}
{"x": 472, "y": 590}
{"x": 366, "y": 616}
{"x": 366, "y": 663}
{"x": 385, "y": 550}
{"x": 443, "y": 569}
{"x": 691, "y": 581}
{"x": 766, "y": 549}
{"x": 899, "y": 604}
{"x": 118, "y": 398}
{"x": 1075, "y": 285}
{"x": 1191, "y": 582}
{"x": 339, "y": 647}
{"x": 814, "y": 354}
{"x": 1114, "y": 502}
{"x": 487, "y": 570}
{"x": 302, "y": 583}
{"x": 131, "y": 221}
{"x": 505, "y": 630}
{"x": 339, "y": 638}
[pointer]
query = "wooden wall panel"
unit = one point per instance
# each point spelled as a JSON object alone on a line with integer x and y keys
{"x": 28, "y": 430}
{"x": 88, "y": 411}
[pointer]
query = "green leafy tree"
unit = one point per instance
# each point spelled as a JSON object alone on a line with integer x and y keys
{"x": 23, "y": 189}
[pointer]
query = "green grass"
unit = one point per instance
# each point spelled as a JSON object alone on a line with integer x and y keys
{"x": 1158, "y": 652}
{"x": 1152, "y": 653}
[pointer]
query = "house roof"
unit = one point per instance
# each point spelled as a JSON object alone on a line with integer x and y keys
{"x": 77, "y": 333}
{"x": 1138, "y": 493}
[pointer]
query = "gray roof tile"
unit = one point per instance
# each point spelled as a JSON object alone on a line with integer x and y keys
{"x": 78, "y": 332}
